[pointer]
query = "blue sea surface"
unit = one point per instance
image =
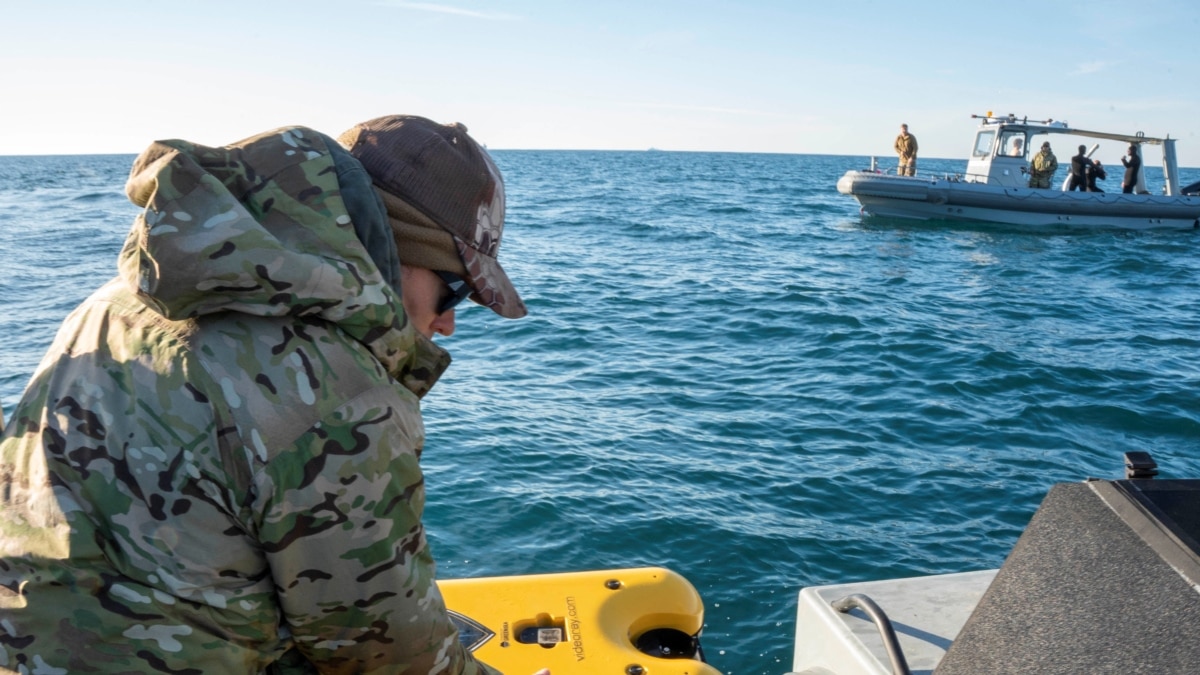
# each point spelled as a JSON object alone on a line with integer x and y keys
{"x": 729, "y": 372}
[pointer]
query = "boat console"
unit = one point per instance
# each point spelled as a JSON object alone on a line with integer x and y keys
{"x": 1105, "y": 579}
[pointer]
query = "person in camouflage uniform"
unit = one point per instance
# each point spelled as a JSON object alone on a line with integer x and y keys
{"x": 1042, "y": 168}
{"x": 215, "y": 469}
{"x": 906, "y": 148}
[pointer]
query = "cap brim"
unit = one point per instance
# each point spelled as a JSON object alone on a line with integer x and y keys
{"x": 493, "y": 289}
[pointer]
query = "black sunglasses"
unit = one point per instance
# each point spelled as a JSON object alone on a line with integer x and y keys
{"x": 459, "y": 289}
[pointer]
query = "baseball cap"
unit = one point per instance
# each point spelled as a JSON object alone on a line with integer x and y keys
{"x": 444, "y": 175}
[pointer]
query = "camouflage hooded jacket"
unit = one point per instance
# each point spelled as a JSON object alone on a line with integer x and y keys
{"x": 906, "y": 146}
{"x": 1045, "y": 163}
{"x": 215, "y": 467}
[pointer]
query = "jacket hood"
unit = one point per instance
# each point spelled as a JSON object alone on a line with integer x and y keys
{"x": 273, "y": 226}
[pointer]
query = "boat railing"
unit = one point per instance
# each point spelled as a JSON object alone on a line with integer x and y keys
{"x": 948, "y": 177}
{"x": 886, "y": 632}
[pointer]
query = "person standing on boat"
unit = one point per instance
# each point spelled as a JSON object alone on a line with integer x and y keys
{"x": 906, "y": 148}
{"x": 1080, "y": 164}
{"x": 1043, "y": 167}
{"x": 1133, "y": 166}
{"x": 1094, "y": 172}
{"x": 215, "y": 468}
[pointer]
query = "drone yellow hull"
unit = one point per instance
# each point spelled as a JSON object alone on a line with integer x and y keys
{"x": 643, "y": 621}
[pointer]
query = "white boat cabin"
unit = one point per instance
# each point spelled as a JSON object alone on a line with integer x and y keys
{"x": 1004, "y": 147}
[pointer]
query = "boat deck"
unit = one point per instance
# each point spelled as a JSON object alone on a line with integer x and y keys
{"x": 926, "y": 612}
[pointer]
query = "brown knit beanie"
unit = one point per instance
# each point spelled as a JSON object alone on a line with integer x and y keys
{"x": 420, "y": 241}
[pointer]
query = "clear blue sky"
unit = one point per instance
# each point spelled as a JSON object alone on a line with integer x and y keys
{"x": 834, "y": 77}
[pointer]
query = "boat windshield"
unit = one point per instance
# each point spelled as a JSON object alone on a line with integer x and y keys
{"x": 1012, "y": 144}
{"x": 983, "y": 143}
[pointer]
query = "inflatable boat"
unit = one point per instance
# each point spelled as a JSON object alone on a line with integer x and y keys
{"x": 995, "y": 187}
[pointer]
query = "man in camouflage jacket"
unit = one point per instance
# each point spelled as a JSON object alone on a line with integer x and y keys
{"x": 215, "y": 467}
{"x": 906, "y": 148}
{"x": 1043, "y": 167}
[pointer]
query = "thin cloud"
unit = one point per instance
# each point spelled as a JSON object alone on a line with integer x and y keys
{"x": 1092, "y": 67}
{"x": 446, "y": 9}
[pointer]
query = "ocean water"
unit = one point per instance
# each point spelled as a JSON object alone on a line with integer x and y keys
{"x": 727, "y": 371}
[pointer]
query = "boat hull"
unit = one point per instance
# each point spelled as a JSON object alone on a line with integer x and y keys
{"x": 948, "y": 199}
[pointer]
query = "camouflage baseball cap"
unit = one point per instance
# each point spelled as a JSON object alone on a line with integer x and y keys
{"x": 443, "y": 173}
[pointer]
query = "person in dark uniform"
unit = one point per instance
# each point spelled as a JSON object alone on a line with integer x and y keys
{"x": 1079, "y": 169}
{"x": 1094, "y": 172}
{"x": 1133, "y": 166}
